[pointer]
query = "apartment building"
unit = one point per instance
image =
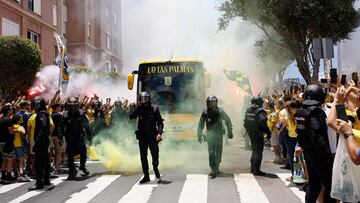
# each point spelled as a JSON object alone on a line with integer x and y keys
{"x": 93, "y": 33}
{"x": 91, "y": 29}
{"x": 36, "y": 20}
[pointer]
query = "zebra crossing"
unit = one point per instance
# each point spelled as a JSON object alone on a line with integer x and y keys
{"x": 197, "y": 188}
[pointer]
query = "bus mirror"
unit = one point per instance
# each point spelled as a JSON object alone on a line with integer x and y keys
{"x": 130, "y": 81}
{"x": 207, "y": 80}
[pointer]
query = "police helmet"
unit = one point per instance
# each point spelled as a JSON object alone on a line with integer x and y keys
{"x": 211, "y": 102}
{"x": 73, "y": 104}
{"x": 118, "y": 103}
{"x": 39, "y": 103}
{"x": 144, "y": 97}
{"x": 314, "y": 95}
{"x": 257, "y": 102}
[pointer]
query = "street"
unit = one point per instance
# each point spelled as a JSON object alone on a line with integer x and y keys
{"x": 189, "y": 183}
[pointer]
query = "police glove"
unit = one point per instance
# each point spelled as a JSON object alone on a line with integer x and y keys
{"x": 204, "y": 137}
{"x": 230, "y": 135}
{"x": 200, "y": 139}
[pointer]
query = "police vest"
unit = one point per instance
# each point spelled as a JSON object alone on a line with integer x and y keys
{"x": 74, "y": 125}
{"x": 251, "y": 122}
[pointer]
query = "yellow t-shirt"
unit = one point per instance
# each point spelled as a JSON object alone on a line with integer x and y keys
{"x": 273, "y": 119}
{"x": 31, "y": 126}
{"x": 20, "y": 131}
{"x": 291, "y": 126}
{"x": 357, "y": 135}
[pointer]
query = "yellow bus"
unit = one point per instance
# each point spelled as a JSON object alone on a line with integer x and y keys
{"x": 178, "y": 87}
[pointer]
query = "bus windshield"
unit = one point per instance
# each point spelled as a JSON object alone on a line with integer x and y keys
{"x": 177, "y": 87}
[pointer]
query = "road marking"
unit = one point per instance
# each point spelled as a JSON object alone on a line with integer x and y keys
{"x": 31, "y": 194}
{"x": 195, "y": 189}
{"x": 291, "y": 186}
{"x": 140, "y": 193}
{"x": 7, "y": 188}
{"x": 248, "y": 188}
{"x": 93, "y": 189}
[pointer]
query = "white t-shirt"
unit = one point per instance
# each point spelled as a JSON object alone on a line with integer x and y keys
{"x": 331, "y": 134}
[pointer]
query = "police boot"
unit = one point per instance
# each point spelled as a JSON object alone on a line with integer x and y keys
{"x": 36, "y": 187}
{"x": 213, "y": 173}
{"x": 258, "y": 172}
{"x": 217, "y": 170}
{"x": 157, "y": 173}
{"x": 145, "y": 179}
{"x": 84, "y": 170}
{"x": 72, "y": 175}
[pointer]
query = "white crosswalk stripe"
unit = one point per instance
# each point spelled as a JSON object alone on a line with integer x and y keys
{"x": 194, "y": 189}
{"x": 140, "y": 193}
{"x": 293, "y": 188}
{"x": 92, "y": 189}
{"x": 31, "y": 194}
{"x": 7, "y": 188}
{"x": 249, "y": 189}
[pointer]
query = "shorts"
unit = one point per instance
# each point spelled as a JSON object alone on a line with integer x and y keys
{"x": 2, "y": 153}
{"x": 274, "y": 139}
{"x": 19, "y": 152}
{"x": 58, "y": 148}
{"x": 5, "y": 155}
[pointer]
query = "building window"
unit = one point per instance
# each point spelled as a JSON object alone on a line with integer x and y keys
{"x": 89, "y": 30}
{"x": 108, "y": 66}
{"x": 33, "y": 37}
{"x": 114, "y": 18}
{"x": 115, "y": 69}
{"x": 54, "y": 15}
{"x": 108, "y": 40}
{"x": 17, "y": 1}
{"x": 9, "y": 28}
{"x": 107, "y": 14}
{"x": 64, "y": 27}
{"x": 115, "y": 44}
{"x": 35, "y": 6}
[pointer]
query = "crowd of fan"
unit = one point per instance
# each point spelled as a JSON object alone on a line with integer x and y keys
{"x": 17, "y": 127}
{"x": 328, "y": 178}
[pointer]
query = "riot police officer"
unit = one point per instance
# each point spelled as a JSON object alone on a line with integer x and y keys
{"x": 118, "y": 115}
{"x": 99, "y": 117}
{"x": 75, "y": 128}
{"x": 313, "y": 141}
{"x": 150, "y": 127}
{"x": 213, "y": 117}
{"x": 255, "y": 124}
{"x": 43, "y": 129}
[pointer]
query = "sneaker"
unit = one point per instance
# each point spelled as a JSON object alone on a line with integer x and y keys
{"x": 145, "y": 180}
{"x": 22, "y": 179}
{"x": 36, "y": 187}
{"x": 84, "y": 170}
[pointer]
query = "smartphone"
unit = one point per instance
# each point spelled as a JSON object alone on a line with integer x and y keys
{"x": 355, "y": 77}
{"x": 341, "y": 112}
{"x": 343, "y": 80}
{"x": 333, "y": 75}
{"x": 324, "y": 80}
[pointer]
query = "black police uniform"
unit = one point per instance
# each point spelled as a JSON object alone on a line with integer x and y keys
{"x": 255, "y": 124}
{"x": 150, "y": 123}
{"x": 214, "y": 134}
{"x": 99, "y": 121}
{"x": 42, "y": 142}
{"x": 313, "y": 139}
{"x": 75, "y": 127}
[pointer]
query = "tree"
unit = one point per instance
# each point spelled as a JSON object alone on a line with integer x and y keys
{"x": 292, "y": 26}
{"x": 20, "y": 60}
